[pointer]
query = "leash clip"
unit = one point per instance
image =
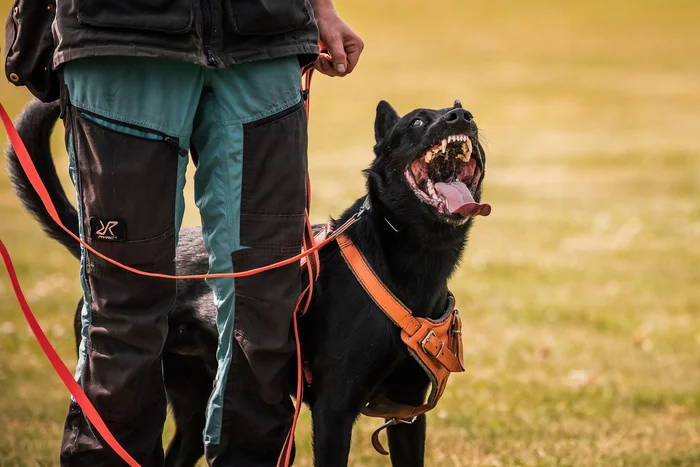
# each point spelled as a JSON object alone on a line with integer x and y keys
{"x": 366, "y": 206}
{"x": 396, "y": 421}
{"x": 376, "y": 444}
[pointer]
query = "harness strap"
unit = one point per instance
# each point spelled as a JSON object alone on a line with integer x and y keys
{"x": 435, "y": 344}
{"x": 419, "y": 330}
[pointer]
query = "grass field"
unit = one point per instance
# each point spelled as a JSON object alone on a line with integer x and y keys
{"x": 580, "y": 294}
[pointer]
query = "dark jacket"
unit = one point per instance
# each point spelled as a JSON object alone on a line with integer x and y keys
{"x": 41, "y": 36}
{"x": 214, "y": 33}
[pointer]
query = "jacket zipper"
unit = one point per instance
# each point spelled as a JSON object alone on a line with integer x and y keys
{"x": 206, "y": 23}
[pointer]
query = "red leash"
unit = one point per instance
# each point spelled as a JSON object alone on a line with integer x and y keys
{"x": 60, "y": 367}
{"x": 309, "y": 250}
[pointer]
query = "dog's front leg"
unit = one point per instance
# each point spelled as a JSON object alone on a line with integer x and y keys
{"x": 408, "y": 384}
{"x": 332, "y": 434}
{"x": 407, "y": 443}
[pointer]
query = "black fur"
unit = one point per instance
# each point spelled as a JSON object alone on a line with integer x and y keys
{"x": 354, "y": 351}
{"x": 35, "y": 126}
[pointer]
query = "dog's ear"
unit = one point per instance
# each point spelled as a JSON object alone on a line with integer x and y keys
{"x": 386, "y": 119}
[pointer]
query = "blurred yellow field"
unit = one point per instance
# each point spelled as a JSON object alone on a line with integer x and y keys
{"x": 580, "y": 294}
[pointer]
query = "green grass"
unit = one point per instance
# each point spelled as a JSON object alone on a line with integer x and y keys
{"x": 579, "y": 294}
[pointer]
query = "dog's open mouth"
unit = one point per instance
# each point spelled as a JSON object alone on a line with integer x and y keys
{"x": 446, "y": 177}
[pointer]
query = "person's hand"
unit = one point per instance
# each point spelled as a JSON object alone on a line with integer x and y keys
{"x": 344, "y": 46}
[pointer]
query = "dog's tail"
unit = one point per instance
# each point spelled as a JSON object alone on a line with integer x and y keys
{"x": 35, "y": 125}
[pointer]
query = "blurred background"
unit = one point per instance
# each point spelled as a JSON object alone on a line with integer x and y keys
{"x": 580, "y": 293}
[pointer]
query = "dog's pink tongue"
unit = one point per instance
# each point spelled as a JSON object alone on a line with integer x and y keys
{"x": 460, "y": 200}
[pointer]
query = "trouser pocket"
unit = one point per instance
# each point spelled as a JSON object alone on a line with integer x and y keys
{"x": 127, "y": 179}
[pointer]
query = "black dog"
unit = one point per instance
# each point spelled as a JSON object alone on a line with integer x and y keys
{"x": 422, "y": 187}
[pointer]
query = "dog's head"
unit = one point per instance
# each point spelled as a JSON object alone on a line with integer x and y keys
{"x": 429, "y": 162}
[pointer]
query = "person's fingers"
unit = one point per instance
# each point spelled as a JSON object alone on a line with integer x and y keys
{"x": 337, "y": 51}
{"x": 325, "y": 66}
{"x": 323, "y": 47}
{"x": 354, "y": 49}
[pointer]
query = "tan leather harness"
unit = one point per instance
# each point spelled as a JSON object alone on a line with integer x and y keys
{"x": 435, "y": 344}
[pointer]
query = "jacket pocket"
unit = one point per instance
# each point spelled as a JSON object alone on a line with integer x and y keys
{"x": 29, "y": 48}
{"x": 167, "y": 16}
{"x": 127, "y": 179}
{"x": 265, "y": 16}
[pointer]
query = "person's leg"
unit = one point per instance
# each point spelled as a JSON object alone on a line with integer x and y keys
{"x": 250, "y": 136}
{"x": 128, "y": 124}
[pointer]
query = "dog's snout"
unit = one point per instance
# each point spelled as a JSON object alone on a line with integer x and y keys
{"x": 458, "y": 115}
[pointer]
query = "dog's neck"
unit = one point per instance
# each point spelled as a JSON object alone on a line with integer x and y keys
{"x": 413, "y": 260}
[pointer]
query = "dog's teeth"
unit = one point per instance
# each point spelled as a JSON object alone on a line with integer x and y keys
{"x": 444, "y": 145}
{"x": 428, "y": 156}
{"x": 431, "y": 188}
{"x": 467, "y": 147}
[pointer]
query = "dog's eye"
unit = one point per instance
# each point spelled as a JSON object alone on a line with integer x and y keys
{"x": 418, "y": 122}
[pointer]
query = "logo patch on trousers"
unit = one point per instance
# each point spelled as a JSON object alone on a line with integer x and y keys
{"x": 113, "y": 230}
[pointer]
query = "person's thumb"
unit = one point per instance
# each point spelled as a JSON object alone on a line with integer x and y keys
{"x": 337, "y": 51}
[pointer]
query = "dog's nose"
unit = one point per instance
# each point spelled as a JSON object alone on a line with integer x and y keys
{"x": 458, "y": 115}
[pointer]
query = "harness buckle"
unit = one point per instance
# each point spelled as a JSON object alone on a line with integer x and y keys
{"x": 426, "y": 339}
